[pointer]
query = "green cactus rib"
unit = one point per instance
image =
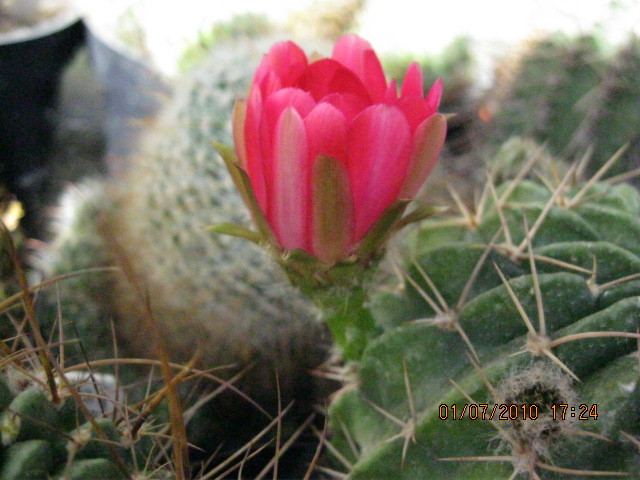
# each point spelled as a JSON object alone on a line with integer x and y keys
{"x": 487, "y": 317}
{"x": 575, "y": 95}
{"x": 29, "y": 460}
{"x": 42, "y": 440}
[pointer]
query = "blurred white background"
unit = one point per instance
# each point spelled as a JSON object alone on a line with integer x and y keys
{"x": 397, "y": 25}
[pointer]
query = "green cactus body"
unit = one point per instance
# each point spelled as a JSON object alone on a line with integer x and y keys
{"x": 539, "y": 97}
{"x": 39, "y": 441}
{"x": 212, "y": 297}
{"x": 456, "y": 348}
{"x": 611, "y": 118}
{"x": 575, "y": 95}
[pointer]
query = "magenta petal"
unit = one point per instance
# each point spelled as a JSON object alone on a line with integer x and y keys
{"x": 379, "y": 153}
{"x": 302, "y": 101}
{"x": 254, "y": 156}
{"x": 272, "y": 110}
{"x": 392, "y": 92}
{"x": 289, "y": 205}
{"x": 415, "y": 109}
{"x": 328, "y": 76}
{"x": 349, "y": 105}
{"x": 412, "y": 84}
{"x": 349, "y": 51}
{"x": 269, "y": 84}
{"x": 357, "y": 55}
{"x": 373, "y": 76}
{"x": 326, "y": 137}
{"x": 435, "y": 95}
{"x": 427, "y": 144}
{"x": 286, "y": 60}
{"x": 326, "y": 132}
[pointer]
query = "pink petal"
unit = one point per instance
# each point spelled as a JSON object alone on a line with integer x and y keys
{"x": 412, "y": 84}
{"x": 327, "y": 76}
{"x": 326, "y": 136}
{"x": 349, "y": 51}
{"x": 435, "y": 95}
{"x": 392, "y": 92}
{"x": 374, "y": 78}
{"x": 326, "y": 132}
{"x": 415, "y": 109}
{"x": 427, "y": 144}
{"x": 289, "y": 205}
{"x": 271, "y": 113}
{"x": 349, "y": 105}
{"x": 286, "y": 60}
{"x": 269, "y": 84}
{"x": 379, "y": 153}
{"x": 302, "y": 101}
{"x": 357, "y": 55}
{"x": 254, "y": 156}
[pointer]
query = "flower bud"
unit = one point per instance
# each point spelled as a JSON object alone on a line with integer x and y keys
{"x": 331, "y": 152}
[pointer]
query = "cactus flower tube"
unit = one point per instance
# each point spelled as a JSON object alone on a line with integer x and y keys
{"x": 330, "y": 147}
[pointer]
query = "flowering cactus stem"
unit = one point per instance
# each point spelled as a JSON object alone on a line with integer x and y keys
{"x": 329, "y": 157}
{"x": 452, "y": 392}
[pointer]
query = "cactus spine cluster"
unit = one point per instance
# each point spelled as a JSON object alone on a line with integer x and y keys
{"x": 511, "y": 348}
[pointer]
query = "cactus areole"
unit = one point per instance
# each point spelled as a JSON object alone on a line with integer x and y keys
{"x": 331, "y": 152}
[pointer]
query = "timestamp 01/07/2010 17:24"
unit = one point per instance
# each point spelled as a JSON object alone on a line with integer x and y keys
{"x": 480, "y": 411}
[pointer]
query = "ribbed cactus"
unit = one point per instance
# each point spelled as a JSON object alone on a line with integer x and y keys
{"x": 44, "y": 439}
{"x": 527, "y": 307}
{"x": 213, "y": 298}
{"x": 539, "y": 94}
{"x": 610, "y": 111}
{"x": 574, "y": 94}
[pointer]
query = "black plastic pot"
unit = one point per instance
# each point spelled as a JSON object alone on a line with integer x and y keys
{"x": 30, "y": 69}
{"x": 133, "y": 93}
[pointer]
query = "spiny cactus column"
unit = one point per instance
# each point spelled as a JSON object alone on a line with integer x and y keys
{"x": 539, "y": 94}
{"x": 212, "y": 297}
{"x": 573, "y": 94}
{"x": 506, "y": 355}
{"x": 610, "y": 110}
{"x": 44, "y": 439}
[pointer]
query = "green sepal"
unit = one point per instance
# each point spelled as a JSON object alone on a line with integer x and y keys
{"x": 243, "y": 184}
{"x": 235, "y": 230}
{"x": 422, "y": 212}
{"x": 381, "y": 229}
{"x": 332, "y": 208}
{"x": 351, "y": 324}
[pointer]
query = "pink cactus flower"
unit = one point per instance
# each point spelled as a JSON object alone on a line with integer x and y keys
{"x": 329, "y": 144}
